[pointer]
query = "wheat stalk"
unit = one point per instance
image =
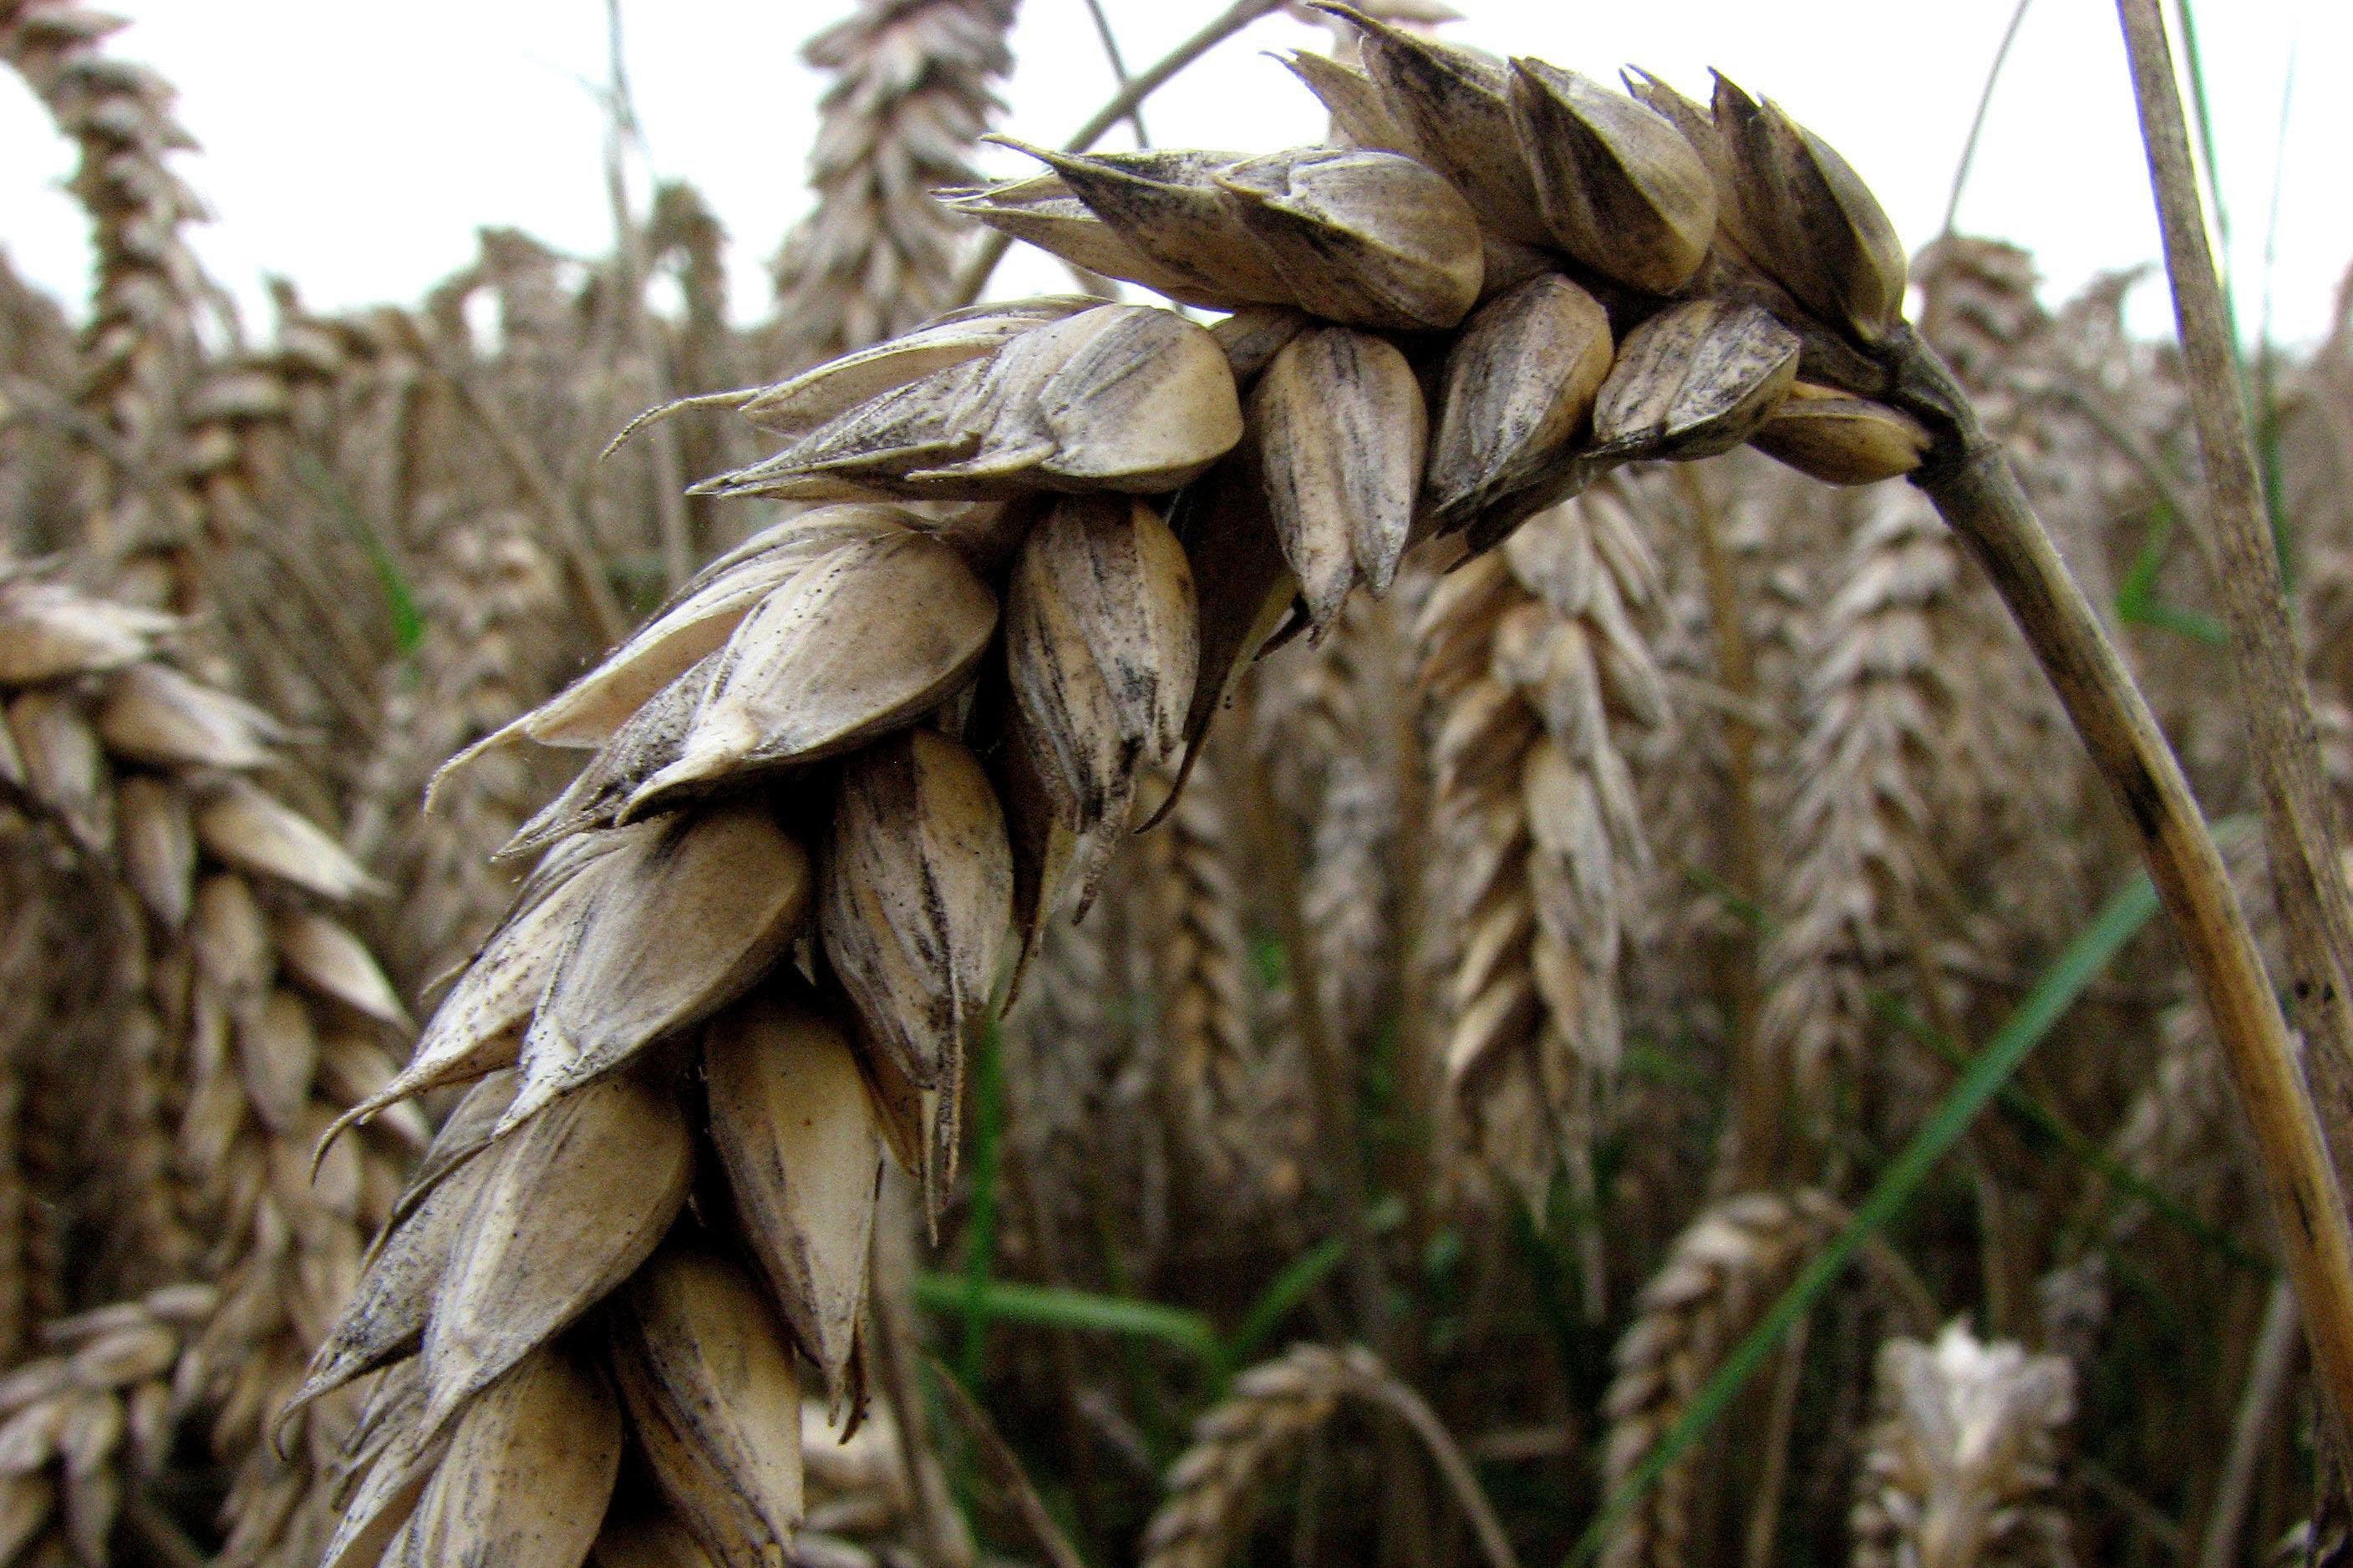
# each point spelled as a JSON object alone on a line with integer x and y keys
{"x": 1961, "y": 1467}
{"x": 141, "y": 348}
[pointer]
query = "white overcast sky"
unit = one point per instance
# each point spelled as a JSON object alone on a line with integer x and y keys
{"x": 356, "y": 147}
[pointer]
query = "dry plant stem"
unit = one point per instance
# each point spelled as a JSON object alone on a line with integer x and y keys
{"x": 1124, "y": 103}
{"x": 1979, "y": 497}
{"x": 1415, "y": 1412}
{"x": 2308, "y": 882}
{"x": 894, "y": 1346}
{"x": 2268, "y": 1369}
{"x": 1420, "y": 1072}
{"x": 1765, "y": 1512}
{"x": 1978, "y": 121}
{"x": 1005, "y": 1470}
{"x": 1118, "y": 64}
{"x": 1326, "y": 1061}
{"x": 637, "y": 327}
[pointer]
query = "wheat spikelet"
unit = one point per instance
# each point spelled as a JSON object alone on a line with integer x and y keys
{"x": 1722, "y": 1271}
{"x": 1962, "y": 1465}
{"x": 1875, "y": 702}
{"x": 1529, "y": 655}
{"x": 915, "y": 86}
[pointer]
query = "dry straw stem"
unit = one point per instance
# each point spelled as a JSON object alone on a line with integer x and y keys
{"x": 2269, "y": 1367}
{"x": 2308, "y": 878}
{"x": 1275, "y": 1406}
{"x": 1005, "y": 1471}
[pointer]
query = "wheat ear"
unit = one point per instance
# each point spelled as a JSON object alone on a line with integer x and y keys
{"x": 1722, "y": 1273}
{"x": 263, "y": 1014}
{"x": 1961, "y": 1466}
{"x": 1530, "y": 658}
{"x": 961, "y": 711}
{"x": 1273, "y": 1407}
{"x": 1877, "y": 700}
{"x": 915, "y": 86}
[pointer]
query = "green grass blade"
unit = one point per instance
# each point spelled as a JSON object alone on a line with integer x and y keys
{"x": 400, "y": 603}
{"x": 1283, "y": 1292}
{"x": 2053, "y": 994}
{"x": 1050, "y": 1307}
{"x": 980, "y": 1225}
{"x": 2039, "y": 1117}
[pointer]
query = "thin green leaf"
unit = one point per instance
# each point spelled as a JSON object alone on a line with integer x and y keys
{"x": 408, "y": 620}
{"x": 980, "y": 1226}
{"x": 1283, "y": 1292}
{"x": 2035, "y": 1114}
{"x": 1050, "y": 1307}
{"x": 2053, "y": 994}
